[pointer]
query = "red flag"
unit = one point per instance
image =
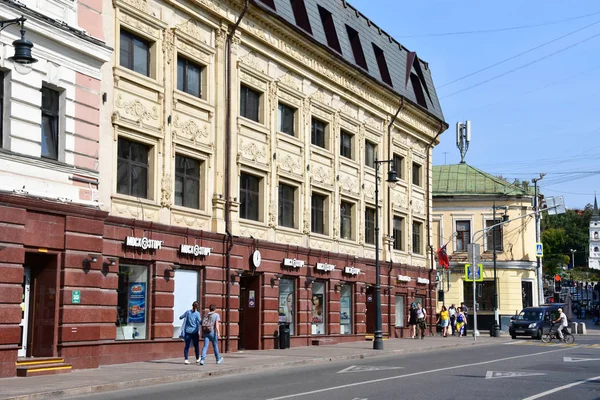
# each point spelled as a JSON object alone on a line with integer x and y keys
{"x": 443, "y": 257}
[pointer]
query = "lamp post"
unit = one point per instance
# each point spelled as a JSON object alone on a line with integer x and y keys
{"x": 22, "y": 58}
{"x": 573, "y": 251}
{"x": 392, "y": 177}
{"x": 537, "y": 238}
{"x": 496, "y": 327}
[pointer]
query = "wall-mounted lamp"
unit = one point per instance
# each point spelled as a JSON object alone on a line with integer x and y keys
{"x": 235, "y": 277}
{"x": 92, "y": 258}
{"x": 275, "y": 279}
{"x": 22, "y": 58}
{"x": 175, "y": 267}
{"x": 337, "y": 287}
{"x": 109, "y": 262}
{"x": 309, "y": 281}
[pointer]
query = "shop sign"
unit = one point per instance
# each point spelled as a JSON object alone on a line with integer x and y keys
{"x": 423, "y": 281}
{"x": 194, "y": 250}
{"x": 76, "y": 297}
{"x": 325, "y": 267}
{"x": 292, "y": 262}
{"x": 144, "y": 243}
{"x": 352, "y": 270}
{"x": 404, "y": 278}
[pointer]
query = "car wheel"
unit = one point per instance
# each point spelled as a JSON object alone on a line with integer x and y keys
{"x": 513, "y": 336}
{"x": 539, "y": 334}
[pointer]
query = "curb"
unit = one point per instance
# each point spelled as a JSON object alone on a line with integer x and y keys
{"x": 224, "y": 372}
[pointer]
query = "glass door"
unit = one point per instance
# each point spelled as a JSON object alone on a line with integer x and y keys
{"x": 24, "y": 325}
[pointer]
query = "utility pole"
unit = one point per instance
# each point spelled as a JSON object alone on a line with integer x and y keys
{"x": 573, "y": 251}
{"x": 537, "y": 239}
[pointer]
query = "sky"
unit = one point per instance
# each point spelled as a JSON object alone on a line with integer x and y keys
{"x": 535, "y": 113}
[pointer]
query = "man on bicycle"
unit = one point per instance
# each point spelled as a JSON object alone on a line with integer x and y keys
{"x": 562, "y": 318}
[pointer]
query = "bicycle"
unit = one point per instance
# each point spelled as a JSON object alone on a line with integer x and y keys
{"x": 553, "y": 334}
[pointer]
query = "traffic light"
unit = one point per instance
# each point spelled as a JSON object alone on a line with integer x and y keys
{"x": 557, "y": 287}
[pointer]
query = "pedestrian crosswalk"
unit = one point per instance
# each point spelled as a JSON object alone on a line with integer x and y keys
{"x": 553, "y": 344}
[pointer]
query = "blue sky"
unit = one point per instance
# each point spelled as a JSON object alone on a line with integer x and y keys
{"x": 543, "y": 117}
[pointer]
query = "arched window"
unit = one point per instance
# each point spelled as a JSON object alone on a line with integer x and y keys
{"x": 595, "y": 235}
{"x": 596, "y": 250}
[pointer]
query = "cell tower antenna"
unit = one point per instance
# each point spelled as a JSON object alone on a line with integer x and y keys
{"x": 463, "y": 138}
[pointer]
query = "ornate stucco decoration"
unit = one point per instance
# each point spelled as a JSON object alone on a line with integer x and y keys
{"x": 191, "y": 29}
{"x": 137, "y": 4}
{"x": 190, "y": 129}
{"x": 306, "y": 223}
{"x": 291, "y": 165}
{"x": 253, "y": 61}
{"x": 166, "y": 190}
{"x": 169, "y": 44}
{"x": 336, "y": 227}
{"x": 400, "y": 200}
{"x": 137, "y": 109}
{"x": 349, "y": 184}
{"x": 251, "y": 151}
{"x": 272, "y": 214}
{"x": 322, "y": 175}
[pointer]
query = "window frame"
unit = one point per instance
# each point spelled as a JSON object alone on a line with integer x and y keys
{"x": 463, "y": 236}
{"x": 417, "y": 237}
{"x": 188, "y": 62}
{"x": 186, "y": 180}
{"x": 245, "y": 92}
{"x": 399, "y": 160}
{"x": 489, "y": 237}
{"x": 350, "y": 136}
{"x": 416, "y": 174}
{"x": 370, "y": 225}
{"x": 54, "y": 116}
{"x": 255, "y": 196}
{"x": 347, "y": 217}
{"x": 285, "y": 111}
{"x": 287, "y": 205}
{"x": 315, "y": 135}
{"x": 486, "y": 300}
{"x": 131, "y": 36}
{"x": 314, "y": 209}
{"x": 398, "y": 244}
{"x": 370, "y": 158}
{"x": 130, "y": 164}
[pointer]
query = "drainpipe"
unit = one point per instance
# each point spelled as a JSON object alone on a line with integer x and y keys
{"x": 228, "y": 114}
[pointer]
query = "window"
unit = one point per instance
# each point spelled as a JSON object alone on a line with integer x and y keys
{"x": 418, "y": 89}
{"x": 317, "y": 136}
{"x": 359, "y": 55}
{"x": 346, "y": 309}
{"x": 286, "y": 119}
{"x": 399, "y": 311}
{"x": 596, "y": 250}
{"x": 270, "y": 3}
{"x": 187, "y": 182}
{"x": 134, "y": 53}
{"x": 346, "y": 139}
{"x": 398, "y": 165}
{"x": 346, "y": 220}
{"x": 189, "y": 77}
{"x": 416, "y": 174}
{"x": 132, "y": 298}
{"x": 417, "y": 228}
{"x": 2, "y": 77}
{"x": 287, "y": 209}
{"x": 132, "y": 168}
{"x": 595, "y": 235}
{"x": 370, "y": 225}
{"x": 317, "y": 221}
{"x": 186, "y": 291}
{"x": 318, "y": 301}
{"x": 287, "y": 303}
{"x": 249, "y": 103}
{"x": 249, "y": 196}
{"x": 463, "y": 235}
{"x": 50, "y": 126}
{"x": 300, "y": 15}
{"x": 489, "y": 239}
{"x": 329, "y": 28}
{"x": 383, "y": 69}
{"x": 370, "y": 154}
{"x": 397, "y": 232}
{"x": 484, "y": 293}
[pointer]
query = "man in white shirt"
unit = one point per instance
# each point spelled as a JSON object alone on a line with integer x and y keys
{"x": 562, "y": 318}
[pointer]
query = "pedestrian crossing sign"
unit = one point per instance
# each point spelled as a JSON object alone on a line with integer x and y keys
{"x": 539, "y": 250}
{"x": 478, "y": 271}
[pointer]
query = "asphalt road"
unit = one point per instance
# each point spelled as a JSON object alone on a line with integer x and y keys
{"x": 518, "y": 369}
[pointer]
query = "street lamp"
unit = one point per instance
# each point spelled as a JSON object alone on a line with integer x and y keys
{"x": 392, "y": 177}
{"x": 22, "y": 58}
{"x": 496, "y": 328}
{"x": 573, "y": 251}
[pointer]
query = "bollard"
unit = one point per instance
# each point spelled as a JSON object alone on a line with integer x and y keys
{"x": 574, "y": 328}
{"x": 582, "y": 329}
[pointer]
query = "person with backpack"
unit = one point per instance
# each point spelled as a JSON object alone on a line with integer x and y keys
{"x": 421, "y": 315}
{"x": 191, "y": 328}
{"x": 210, "y": 333}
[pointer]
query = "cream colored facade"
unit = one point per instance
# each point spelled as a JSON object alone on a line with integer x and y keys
{"x": 268, "y": 57}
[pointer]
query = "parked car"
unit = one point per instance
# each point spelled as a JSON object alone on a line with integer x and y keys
{"x": 534, "y": 321}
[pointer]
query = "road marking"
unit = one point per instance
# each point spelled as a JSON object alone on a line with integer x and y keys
{"x": 558, "y": 389}
{"x": 500, "y": 374}
{"x": 357, "y": 368}
{"x": 577, "y": 359}
{"x": 431, "y": 371}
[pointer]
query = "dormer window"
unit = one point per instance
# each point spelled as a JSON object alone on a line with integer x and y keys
{"x": 301, "y": 16}
{"x": 359, "y": 55}
{"x": 329, "y": 28}
{"x": 383, "y": 69}
{"x": 269, "y": 3}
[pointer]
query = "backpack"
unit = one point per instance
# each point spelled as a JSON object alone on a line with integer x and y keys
{"x": 207, "y": 323}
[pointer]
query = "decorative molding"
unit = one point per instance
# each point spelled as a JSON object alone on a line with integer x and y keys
{"x": 191, "y": 129}
{"x": 220, "y": 38}
{"x": 166, "y": 190}
{"x": 169, "y": 44}
{"x": 141, "y": 5}
{"x": 291, "y": 165}
{"x": 306, "y": 222}
{"x": 190, "y": 221}
{"x": 272, "y": 214}
{"x": 136, "y": 108}
{"x": 191, "y": 29}
{"x": 253, "y": 61}
{"x": 251, "y": 151}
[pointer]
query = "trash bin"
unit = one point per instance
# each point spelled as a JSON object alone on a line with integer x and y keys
{"x": 284, "y": 336}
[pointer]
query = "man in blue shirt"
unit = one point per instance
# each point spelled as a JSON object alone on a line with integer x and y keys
{"x": 191, "y": 327}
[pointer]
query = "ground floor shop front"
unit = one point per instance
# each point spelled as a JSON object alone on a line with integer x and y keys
{"x": 96, "y": 290}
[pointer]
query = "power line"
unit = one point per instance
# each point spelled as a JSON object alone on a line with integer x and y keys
{"x": 562, "y": 191}
{"x": 518, "y": 55}
{"x": 499, "y": 29}
{"x": 522, "y": 66}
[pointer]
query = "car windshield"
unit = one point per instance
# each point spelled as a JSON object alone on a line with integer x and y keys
{"x": 531, "y": 315}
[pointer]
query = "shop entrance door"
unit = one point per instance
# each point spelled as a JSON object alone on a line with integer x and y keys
{"x": 24, "y": 325}
{"x": 527, "y": 293}
{"x": 249, "y": 322}
{"x": 370, "y": 310}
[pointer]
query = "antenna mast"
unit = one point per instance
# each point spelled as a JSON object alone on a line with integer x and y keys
{"x": 463, "y": 138}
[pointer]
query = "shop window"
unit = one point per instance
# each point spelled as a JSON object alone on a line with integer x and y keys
{"x": 484, "y": 291}
{"x": 400, "y": 323}
{"x": 187, "y": 182}
{"x": 189, "y": 77}
{"x": 417, "y": 232}
{"x": 370, "y": 154}
{"x": 185, "y": 293}
{"x": 398, "y": 228}
{"x": 286, "y": 119}
{"x": 132, "y": 168}
{"x": 346, "y": 148}
{"x": 346, "y": 231}
{"x": 287, "y": 205}
{"x": 370, "y": 225}
{"x": 489, "y": 238}
{"x": 318, "y": 308}
{"x": 50, "y": 125}
{"x": 249, "y": 196}
{"x": 399, "y": 166}
{"x": 250, "y": 103}
{"x": 463, "y": 235}
{"x": 134, "y": 53}
{"x": 132, "y": 298}
{"x": 416, "y": 174}
{"x": 287, "y": 303}
{"x": 346, "y": 309}
{"x": 318, "y": 129}
{"x": 318, "y": 208}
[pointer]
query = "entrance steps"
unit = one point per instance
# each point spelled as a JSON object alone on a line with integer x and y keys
{"x": 35, "y": 366}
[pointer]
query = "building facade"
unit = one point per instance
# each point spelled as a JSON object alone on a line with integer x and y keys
{"x": 594, "y": 259}
{"x": 238, "y": 169}
{"x": 464, "y": 198}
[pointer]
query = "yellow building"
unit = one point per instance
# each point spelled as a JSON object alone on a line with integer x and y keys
{"x": 463, "y": 207}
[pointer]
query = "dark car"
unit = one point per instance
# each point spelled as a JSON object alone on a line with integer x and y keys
{"x": 534, "y": 321}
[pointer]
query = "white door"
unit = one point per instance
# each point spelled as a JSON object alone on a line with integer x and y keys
{"x": 186, "y": 292}
{"x": 25, "y": 312}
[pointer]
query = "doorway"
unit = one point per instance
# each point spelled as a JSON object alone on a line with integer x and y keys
{"x": 527, "y": 293}
{"x": 370, "y": 320}
{"x": 249, "y": 316}
{"x": 24, "y": 325}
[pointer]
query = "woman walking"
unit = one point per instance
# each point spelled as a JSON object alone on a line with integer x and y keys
{"x": 412, "y": 320}
{"x": 421, "y": 315}
{"x": 444, "y": 321}
{"x": 461, "y": 322}
{"x": 191, "y": 327}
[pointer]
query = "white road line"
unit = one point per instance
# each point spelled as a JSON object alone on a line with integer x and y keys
{"x": 415, "y": 374}
{"x": 558, "y": 389}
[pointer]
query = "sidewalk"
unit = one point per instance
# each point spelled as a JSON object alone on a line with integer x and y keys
{"x": 127, "y": 376}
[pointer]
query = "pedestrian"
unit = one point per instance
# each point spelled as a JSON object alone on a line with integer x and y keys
{"x": 461, "y": 322}
{"x": 421, "y": 315}
{"x": 465, "y": 311}
{"x": 210, "y": 333}
{"x": 191, "y": 328}
{"x": 444, "y": 321}
{"x": 452, "y": 313}
{"x": 412, "y": 320}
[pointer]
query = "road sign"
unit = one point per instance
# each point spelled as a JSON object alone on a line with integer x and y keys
{"x": 539, "y": 250}
{"x": 75, "y": 297}
{"x": 478, "y": 270}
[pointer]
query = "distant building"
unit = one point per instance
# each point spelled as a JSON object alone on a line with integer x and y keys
{"x": 594, "y": 259}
